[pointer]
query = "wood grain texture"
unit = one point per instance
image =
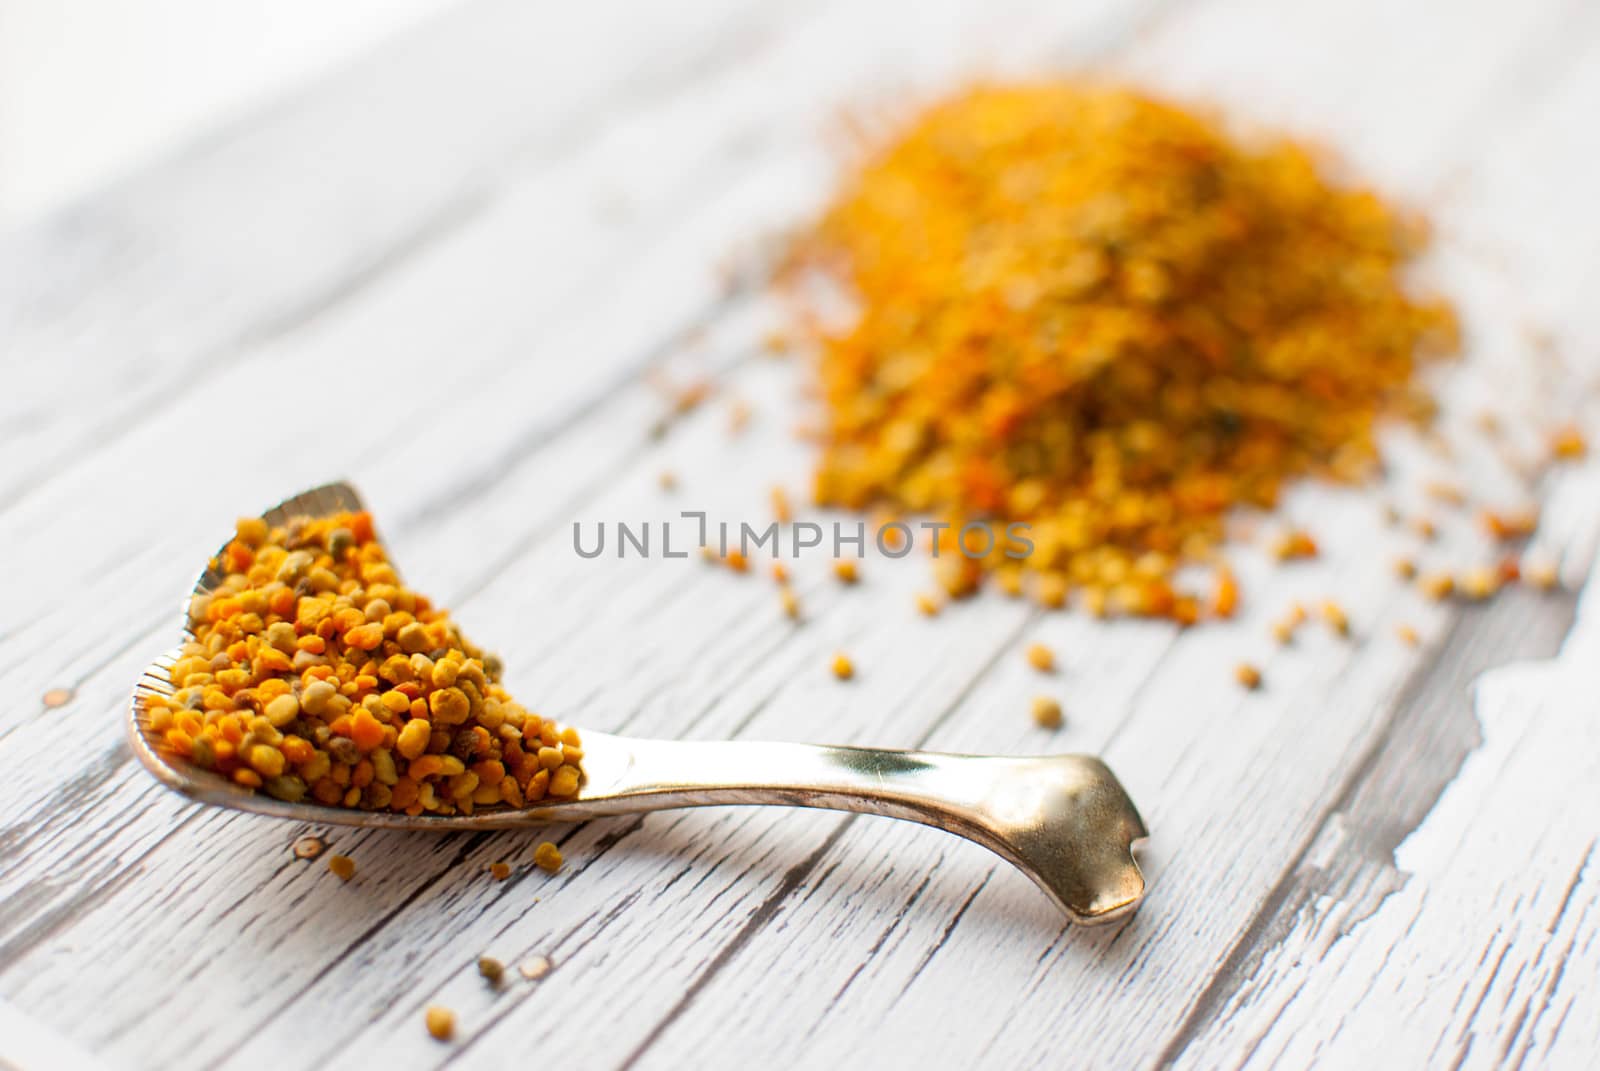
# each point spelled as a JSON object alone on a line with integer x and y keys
{"x": 504, "y": 235}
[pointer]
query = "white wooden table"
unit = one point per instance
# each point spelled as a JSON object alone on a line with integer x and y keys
{"x": 500, "y": 231}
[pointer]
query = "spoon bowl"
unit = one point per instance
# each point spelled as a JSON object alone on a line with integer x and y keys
{"x": 1064, "y": 820}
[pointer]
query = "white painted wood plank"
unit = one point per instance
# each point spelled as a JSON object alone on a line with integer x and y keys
{"x": 1452, "y": 957}
{"x": 759, "y": 917}
{"x": 26, "y": 1045}
{"x": 107, "y": 308}
{"x": 1484, "y": 955}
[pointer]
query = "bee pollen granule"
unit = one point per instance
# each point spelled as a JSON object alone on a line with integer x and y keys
{"x": 547, "y": 857}
{"x": 441, "y": 1022}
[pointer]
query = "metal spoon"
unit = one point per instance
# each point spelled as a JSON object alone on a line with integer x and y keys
{"x": 1064, "y": 820}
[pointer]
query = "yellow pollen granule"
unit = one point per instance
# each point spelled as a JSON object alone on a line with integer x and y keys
{"x": 547, "y": 857}
{"x": 1046, "y": 712}
{"x": 441, "y": 1022}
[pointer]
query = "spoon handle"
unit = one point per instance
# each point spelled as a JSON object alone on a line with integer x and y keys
{"x": 1063, "y": 819}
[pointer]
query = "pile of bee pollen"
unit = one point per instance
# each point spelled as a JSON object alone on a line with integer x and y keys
{"x": 1090, "y": 310}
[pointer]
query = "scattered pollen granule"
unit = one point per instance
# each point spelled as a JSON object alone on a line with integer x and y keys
{"x": 499, "y": 871}
{"x": 1294, "y": 545}
{"x": 547, "y": 857}
{"x": 1225, "y": 598}
{"x": 1284, "y": 628}
{"x": 1541, "y": 573}
{"x": 1508, "y": 570}
{"x": 441, "y": 1022}
{"x": 343, "y": 866}
{"x": 1507, "y": 525}
{"x": 1040, "y": 657}
{"x": 1247, "y": 675}
{"x": 1087, "y": 310}
{"x": 1336, "y": 618}
{"x": 1046, "y": 712}
{"x": 1568, "y": 444}
{"x": 1478, "y": 583}
{"x": 843, "y": 668}
{"x": 313, "y": 673}
{"x": 1436, "y": 586}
